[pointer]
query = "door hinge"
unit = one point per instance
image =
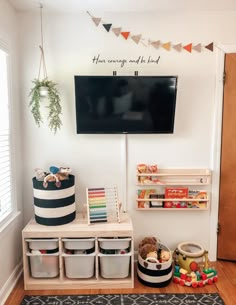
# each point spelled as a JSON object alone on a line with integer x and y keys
{"x": 218, "y": 228}
{"x": 224, "y": 77}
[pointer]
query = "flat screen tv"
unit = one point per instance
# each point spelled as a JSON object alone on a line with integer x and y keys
{"x": 125, "y": 104}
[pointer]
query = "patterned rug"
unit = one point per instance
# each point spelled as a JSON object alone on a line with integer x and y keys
{"x": 126, "y": 299}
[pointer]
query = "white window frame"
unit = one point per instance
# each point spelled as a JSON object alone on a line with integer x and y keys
{"x": 13, "y": 208}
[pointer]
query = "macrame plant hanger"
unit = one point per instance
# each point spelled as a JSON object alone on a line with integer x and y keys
{"x": 42, "y": 62}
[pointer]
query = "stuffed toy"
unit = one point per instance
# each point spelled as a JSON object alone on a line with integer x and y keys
{"x": 149, "y": 240}
{"x": 148, "y": 251}
{"x": 164, "y": 256}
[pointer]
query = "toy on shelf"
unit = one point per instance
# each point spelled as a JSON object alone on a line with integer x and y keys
{"x": 102, "y": 205}
{"x": 144, "y": 170}
{"x": 56, "y": 174}
{"x": 192, "y": 266}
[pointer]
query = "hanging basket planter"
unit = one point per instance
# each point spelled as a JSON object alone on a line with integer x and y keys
{"x": 45, "y": 89}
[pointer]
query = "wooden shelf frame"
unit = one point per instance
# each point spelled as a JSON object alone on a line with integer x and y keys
{"x": 79, "y": 228}
{"x": 196, "y": 178}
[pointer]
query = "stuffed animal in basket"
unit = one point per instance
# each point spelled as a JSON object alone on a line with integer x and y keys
{"x": 148, "y": 249}
{"x": 148, "y": 252}
{"x": 56, "y": 174}
{"x": 151, "y": 240}
{"x": 164, "y": 256}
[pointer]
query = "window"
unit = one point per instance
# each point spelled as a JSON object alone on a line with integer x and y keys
{"x": 6, "y": 202}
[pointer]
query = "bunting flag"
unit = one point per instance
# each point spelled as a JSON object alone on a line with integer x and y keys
{"x": 188, "y": 47}
{"x": 210, "y": 46}
{"x": 166, "y": 46}
{"x": 125, "y": 34}
{"x": 136, "y": 38}
{"x": 154, "y": 43}
{"x": 197, "y": 47}
{"x": 178, "y": 47}
{"x": 116, "y": 31}
{"x": 107, "y": 26}
{"x": 96, "y": 21}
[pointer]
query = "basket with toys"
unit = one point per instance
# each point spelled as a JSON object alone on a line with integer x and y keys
{"x": 154, "y": 267}
{"x": 54, "y": 196}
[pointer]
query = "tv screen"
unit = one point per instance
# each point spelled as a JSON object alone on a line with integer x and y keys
{"x": 125, "y": 104}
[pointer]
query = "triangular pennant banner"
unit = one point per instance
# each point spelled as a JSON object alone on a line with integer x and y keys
{"x": 107, "y": 26}
{"x": 197, "y": 47}
{"x": 136, "y": 38}
{"x": 125, "y": 34}
{"x": 210, "y": 46}
{"x": 116, "y": 31}
{"x": 188, "y": 47}
{"x": 156, "y": 44}
{"x": 178, "y": 47}
{"x": 96, "y": 20}
{"x": 166, "y": 46}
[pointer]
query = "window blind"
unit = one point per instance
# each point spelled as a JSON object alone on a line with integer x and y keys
{"x": 6, "y": 205}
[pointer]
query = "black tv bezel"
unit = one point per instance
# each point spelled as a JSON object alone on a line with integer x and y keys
{"x": 127, "y": 132}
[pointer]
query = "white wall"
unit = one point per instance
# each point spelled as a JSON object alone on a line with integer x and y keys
{"x": 10, "y": 235}
{"x": 71, "y": 41}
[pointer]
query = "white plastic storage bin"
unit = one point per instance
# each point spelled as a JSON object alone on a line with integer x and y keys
{"x": 114, "y": 265}
{"x": 42, "y": 244}
{"x": 44, "y": 265}
{"x": 114, "y": 243}
{"x": 79, "y": 265}
{"x": 79, "y": 243}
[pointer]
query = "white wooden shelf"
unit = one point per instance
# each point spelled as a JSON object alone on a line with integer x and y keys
{"x": 195, "y": 180}
{"x": 78, "y": 229}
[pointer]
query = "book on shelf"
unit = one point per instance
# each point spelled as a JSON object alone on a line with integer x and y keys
{"x": 145, "y": 194}
{"x": 200, "y": 196}
{"x": 176, "y": 193}
{"x": 156, "y": 204}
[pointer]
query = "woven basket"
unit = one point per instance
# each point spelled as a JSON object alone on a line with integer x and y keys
{"x": 54, "y": 205}
{"x": 155, "y": 274}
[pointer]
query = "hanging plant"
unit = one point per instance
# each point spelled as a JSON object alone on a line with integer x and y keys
{"x": 45, "y": 89}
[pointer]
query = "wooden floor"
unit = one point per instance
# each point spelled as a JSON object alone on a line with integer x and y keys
{"x": 226, "y": 287}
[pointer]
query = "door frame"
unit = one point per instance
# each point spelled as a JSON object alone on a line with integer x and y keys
{"x": 222, "y": 49}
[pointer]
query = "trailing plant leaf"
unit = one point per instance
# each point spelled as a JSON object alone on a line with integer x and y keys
{"x": 35, "y": 102}
{"x": 54, "y": 106}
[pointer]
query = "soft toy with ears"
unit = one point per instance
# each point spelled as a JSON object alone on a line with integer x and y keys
{"x": 164, "y": 256}
{"x": 148, "y": 251}
{"x": 150, "y": 241}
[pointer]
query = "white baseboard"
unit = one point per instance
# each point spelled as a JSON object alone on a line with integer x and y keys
{"x": 10, "y": 283}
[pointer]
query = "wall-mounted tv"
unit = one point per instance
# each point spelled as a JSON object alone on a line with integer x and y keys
{"x": 125, "y": 104}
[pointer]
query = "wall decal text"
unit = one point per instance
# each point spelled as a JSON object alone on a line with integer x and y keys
{"x": 97, "y": 59}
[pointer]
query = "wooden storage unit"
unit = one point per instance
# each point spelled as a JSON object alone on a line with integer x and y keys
{"x": 76, "y": 229}
{"x": 195, "y": 180}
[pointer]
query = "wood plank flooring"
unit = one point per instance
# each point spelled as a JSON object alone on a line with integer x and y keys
{"x": 226, "y": 287}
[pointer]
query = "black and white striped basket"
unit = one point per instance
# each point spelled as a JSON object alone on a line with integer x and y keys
{"x": 54, "y": 205}
{"x": 155, "y": 274}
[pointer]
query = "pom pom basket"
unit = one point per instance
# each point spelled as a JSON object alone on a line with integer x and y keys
{"x": 155, "y": 274}
{"x": 54, "y": 205}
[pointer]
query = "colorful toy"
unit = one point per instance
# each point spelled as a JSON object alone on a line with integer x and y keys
{"x": 56, "y": 174}
{"x": 192, "y": 266}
